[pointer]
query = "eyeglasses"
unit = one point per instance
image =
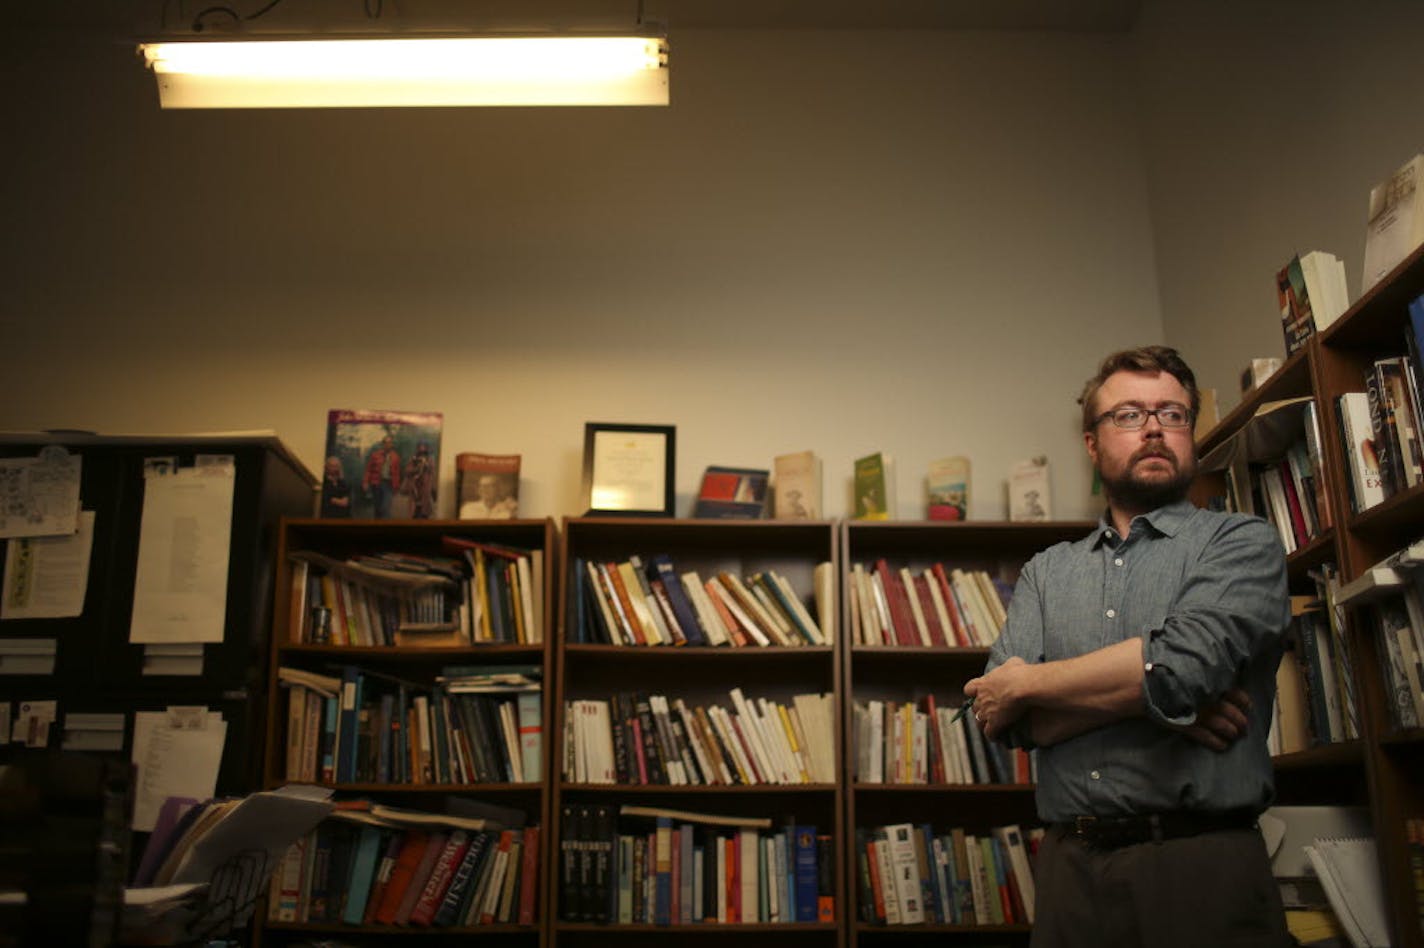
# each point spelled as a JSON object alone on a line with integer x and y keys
{"x": 1132, "y": 417}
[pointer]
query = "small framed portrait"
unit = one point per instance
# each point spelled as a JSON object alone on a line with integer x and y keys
{"x": 628, "y": 470}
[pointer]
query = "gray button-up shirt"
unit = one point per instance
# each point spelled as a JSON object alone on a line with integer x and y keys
{"x": 1207, "y": 593}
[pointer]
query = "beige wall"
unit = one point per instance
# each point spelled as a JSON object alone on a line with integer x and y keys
{"x": 916, "y": 243}
{"x": 1265, "y": 125}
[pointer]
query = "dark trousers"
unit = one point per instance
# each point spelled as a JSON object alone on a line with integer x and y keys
{"x": 1214, "y": 890}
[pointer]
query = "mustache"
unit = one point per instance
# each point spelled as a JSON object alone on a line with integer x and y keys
{"x": 1154, "y": 451}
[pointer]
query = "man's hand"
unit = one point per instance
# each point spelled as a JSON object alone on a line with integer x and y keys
{"x": 999, "y": 696}
{"x": 1221, "y": 723}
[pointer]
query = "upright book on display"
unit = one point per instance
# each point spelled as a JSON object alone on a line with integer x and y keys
{"x": 796, "y": 486}
{"x": 486, "y": 486}
{"x": 1396, "y": 221}
{"x": 874, "y": 487}
{"x": 381, "y": 465}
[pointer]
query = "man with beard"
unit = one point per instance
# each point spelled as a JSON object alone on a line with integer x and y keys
{"x": 1140, "y": 662}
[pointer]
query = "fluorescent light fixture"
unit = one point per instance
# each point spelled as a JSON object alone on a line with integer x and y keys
{"x": 441, "y": 71}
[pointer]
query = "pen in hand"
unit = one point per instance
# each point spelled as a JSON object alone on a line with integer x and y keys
{"x": 963, "y": 709}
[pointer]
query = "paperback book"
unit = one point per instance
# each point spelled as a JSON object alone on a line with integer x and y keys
{"x": 948, "y": 484}
{"x": 486, "y": 486}
{"x": 381, "y": 465}
{"x": 1396, "y": 221}
{"x": 874, "y": 487}
{"x": 797, "y": 486}
{"x": 1029, "y": 491}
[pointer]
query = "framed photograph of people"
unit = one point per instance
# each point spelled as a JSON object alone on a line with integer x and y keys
{"x": 628, "y": 470}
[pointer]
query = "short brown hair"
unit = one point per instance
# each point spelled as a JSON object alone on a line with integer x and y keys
{"x": 1141, "y": 359}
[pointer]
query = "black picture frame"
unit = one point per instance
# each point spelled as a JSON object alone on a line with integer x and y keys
{"x": 622, "y": 467}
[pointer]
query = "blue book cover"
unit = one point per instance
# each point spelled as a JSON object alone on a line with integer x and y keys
{"x": 347, "y": 729}
{"x": 807, "y": 887}
{"x": 363, "y": 870}
{"x": 660, "y": 566}
{"x": 662, "y": 871}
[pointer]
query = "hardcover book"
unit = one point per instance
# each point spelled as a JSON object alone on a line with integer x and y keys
{"x": 874, "y": 487}
{"x": 381, "y": 465}
{"x": 948, "y": 484}
{"x": 486, "y": 486}
{"x": 732, "y": 493}
{"x": 797, "y": 486}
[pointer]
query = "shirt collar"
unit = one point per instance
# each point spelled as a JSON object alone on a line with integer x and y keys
{"x": 1164, "y": 520}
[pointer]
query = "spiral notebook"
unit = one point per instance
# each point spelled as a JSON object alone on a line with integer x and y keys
{"x": 1348, "y": 868}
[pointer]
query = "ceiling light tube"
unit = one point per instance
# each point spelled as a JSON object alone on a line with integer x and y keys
{"x": 381, "y": 72}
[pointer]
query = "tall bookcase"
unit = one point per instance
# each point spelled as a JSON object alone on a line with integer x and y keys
{"x": 1384, "y": 768}
{"x": 700, "y": 675}
{"x": 341, "y": 539}
{"x": 909, "y": 673}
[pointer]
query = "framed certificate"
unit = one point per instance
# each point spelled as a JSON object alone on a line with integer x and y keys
{"x": 628, "y": 469}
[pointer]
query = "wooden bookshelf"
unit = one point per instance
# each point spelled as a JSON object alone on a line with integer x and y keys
{"x": 341, "y": 539}
{"x": 905, "y": 673}
{"x": 702, "y": 676}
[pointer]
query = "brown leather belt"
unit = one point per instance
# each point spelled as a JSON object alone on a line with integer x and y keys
{"x": 1112, "y": 832}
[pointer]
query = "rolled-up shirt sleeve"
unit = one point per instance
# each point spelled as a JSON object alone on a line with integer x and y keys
{"x": 1232, "y": 608}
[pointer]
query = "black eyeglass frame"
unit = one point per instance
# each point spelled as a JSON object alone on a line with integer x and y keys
{"x": 1147, "y": 413}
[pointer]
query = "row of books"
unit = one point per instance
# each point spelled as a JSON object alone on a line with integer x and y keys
{"x": 910, "y": 874}
{"x": 921, "y": 742}
{"x": 941, "y": 606}
{"x": 1311, "y": 292}
{"x": 1396, "y": 586}
{"x": 1315, "y": 694}
{"x": 1290, "y": 492}
{"x": 1381, "y": 427}
{"x": 461, "y": 873}
{"x": 649, "y": 601}
{"x": 647, "y": 739}
{"x": 367, "y": 727}
{"x": 651, "y": 865}
{"x": 483, "y": 593}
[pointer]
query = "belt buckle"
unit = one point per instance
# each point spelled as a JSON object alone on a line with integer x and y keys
{"x": 1084, "y": 827}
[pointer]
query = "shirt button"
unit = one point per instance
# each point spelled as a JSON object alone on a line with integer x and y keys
{"x": 1118, "y": 561}
{"x": 1111, "y": 613}
{"x": 1095, "y": 775}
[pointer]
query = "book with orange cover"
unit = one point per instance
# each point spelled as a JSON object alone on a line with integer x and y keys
{"x": 412, "y": 851}
{"x": 434, "y": 845}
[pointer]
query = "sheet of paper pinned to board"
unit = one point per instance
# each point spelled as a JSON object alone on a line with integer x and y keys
{"x": 176, "y": 753}
{"x": 47, "y": 577}
{"x": 39, "y": 496}
{"x": 180, "y": 591}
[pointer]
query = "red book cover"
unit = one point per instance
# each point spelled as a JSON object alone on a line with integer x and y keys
{"x": 433, "y": 893}
{"x": 638, "y": 755}
{"x": 715, "y": 593}
{"x": 1302, "y": 534}
{"x": 927, "y": 606}
{"x": 434, "y": 846}
{"x": 383, "y": 877}
{"x": 635, "y": 628}
{"x": 731, "y": 850}
{"x": 506, "y": 839}
{"x": 529, "y": 877}
{"x": 951, "y": 605}
{"x": 906, "y": 632}
{"x": 877, "y": 884}
{"x": 936, "y": 749}
{"x": 412, "y": 851}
